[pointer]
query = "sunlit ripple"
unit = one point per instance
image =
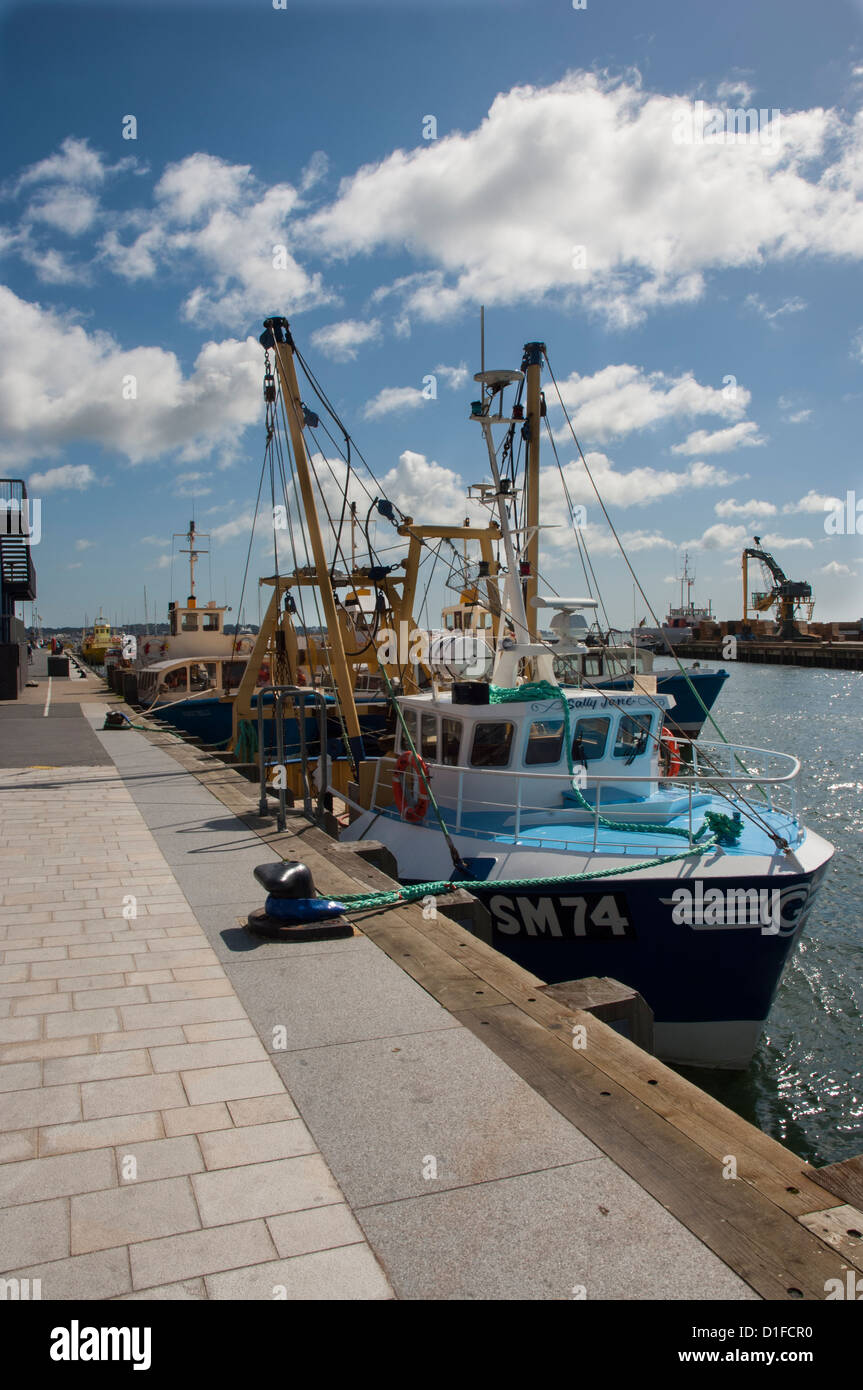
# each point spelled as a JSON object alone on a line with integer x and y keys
{"x": 804, "y": 1085}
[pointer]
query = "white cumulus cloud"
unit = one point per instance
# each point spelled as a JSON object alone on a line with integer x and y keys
{"x": 68, "y": 477}
{"x": 744, "y": 434}
{"x": 621, "y": 398}
{"x": 60, "y": 384}
{"x": 753, "y": 507}
{"x": 581, "y": 188}
{"x": 341, "y": 341}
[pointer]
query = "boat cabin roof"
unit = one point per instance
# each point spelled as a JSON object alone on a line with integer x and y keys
{"x": 199, "y": 659}
{"x": 577, "y": 701}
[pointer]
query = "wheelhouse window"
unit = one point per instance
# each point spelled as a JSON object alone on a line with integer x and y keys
{"x": 544, "y": 742}
{"x": 428, "y": 740}
{"x": 211, "y": 622}
{"x": 190, "y": 622}
{"x": 450, "y": 741}
{"x": 591, "y": 736}
{"x": 203, "y": 676}
{"x": 632, "y": 736}
{"x": 592, "y": 666}
{"x": 492, "y": 744}
{"x": 232, "y": 673}
{"x": 410, "y": 718}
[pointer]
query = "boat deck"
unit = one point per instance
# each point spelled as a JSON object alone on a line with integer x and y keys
{"x": 400, "y": 1114}
{"x": 498, "y": 827}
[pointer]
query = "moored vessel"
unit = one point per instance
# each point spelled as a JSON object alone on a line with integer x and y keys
{"x": 598, "y": 842}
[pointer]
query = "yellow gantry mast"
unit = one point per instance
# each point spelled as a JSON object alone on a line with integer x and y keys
{"x": 277, "y": 336}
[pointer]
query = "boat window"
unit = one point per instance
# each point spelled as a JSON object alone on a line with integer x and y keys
{"x": 632, "y": 736}
{"x": 590, "y": 739}
{"x": 203, "y": 676}
{"x": 175, "y": 680}
{"x": 211, "y": 622}
{"x": 544, "y": 742}
{"x": 592, "y": 666}
{"x": 410, "y": 718}
{"x": 428, "y": 743}
{"x": 491, "y": 744}
{"x": 232, "y": 673}
{"x": 457, "y": 621}
{"x": 450, "y": 741}
{"x": 190, "y": 622}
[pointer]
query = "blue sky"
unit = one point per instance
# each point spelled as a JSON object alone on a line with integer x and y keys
{"x": 710, "y": 346}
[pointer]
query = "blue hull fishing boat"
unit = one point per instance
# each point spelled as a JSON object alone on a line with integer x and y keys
{"x": 600, "y": 842}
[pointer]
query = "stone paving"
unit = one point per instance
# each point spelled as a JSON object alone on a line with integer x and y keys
{"x": 148, "y": 1146}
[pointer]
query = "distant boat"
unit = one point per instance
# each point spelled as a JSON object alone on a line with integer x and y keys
{"x": 96, "y": 642}
{"x": 681, "y": 622}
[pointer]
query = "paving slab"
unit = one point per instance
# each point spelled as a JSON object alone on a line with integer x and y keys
{"x": 347, "y": 1273}
{"x": 104, "y": 1274}
{"x": 387, "y": 1111}
{"x": 358, "y": 993}
{"x": 579, "y": 1232}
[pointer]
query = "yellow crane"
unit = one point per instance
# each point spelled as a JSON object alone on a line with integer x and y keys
{"x": 789, "y": 596}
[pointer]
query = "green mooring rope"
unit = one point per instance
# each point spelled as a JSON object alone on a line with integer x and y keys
{"x": 246, "y": 747}
{"x": 724, "y": 830}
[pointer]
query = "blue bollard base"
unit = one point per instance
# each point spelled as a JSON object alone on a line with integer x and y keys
{"x": 324, "y": 927}
{"x": 302, "y": 909}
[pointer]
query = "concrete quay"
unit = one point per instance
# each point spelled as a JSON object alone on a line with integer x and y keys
{"x": 188, "y": 1112}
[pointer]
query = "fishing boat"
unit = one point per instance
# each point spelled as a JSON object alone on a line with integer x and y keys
{"x": 96, "y": 642}
{"x": 188, "y": 674}
{"x": 570, "y": 812}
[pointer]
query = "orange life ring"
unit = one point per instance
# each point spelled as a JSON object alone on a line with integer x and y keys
{"x": 412, "y": 811}
{"x": 669, "y": 752}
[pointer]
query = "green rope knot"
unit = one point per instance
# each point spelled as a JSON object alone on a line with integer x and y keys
{"x": 726, "y": 829}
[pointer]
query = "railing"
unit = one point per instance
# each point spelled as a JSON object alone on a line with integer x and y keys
{"x": 761, "y": 782}
{"x": 300, "y": 695}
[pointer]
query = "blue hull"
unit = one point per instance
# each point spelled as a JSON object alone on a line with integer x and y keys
{"x": 211, "y": 721}
{"x": 686, "y": 973}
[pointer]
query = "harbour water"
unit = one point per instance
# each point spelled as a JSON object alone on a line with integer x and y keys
{"x": 804, "y": 1086}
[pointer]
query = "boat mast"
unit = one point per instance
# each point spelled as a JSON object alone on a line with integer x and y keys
{"x": 511, "y": 652}
{"x": 193, "y": 555}
{"x": 532, "y": 365}
{"x": 277, "y": 336}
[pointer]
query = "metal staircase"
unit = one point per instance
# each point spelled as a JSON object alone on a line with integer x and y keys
{"x": 17, "y": 572}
